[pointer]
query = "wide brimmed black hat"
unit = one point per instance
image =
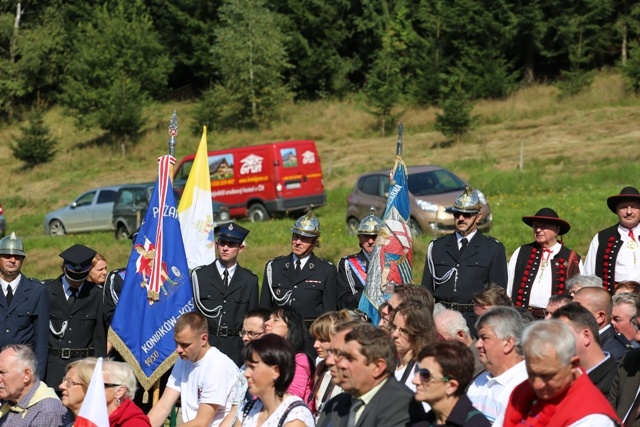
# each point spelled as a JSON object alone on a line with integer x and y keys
{"x": 548, "y": 215}
{"x": 627, "y": 193}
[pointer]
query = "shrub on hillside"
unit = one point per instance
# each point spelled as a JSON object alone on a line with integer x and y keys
{"x": 456, "y": 118}
{"x": 574, "y": 81}
{"x": 631, "y": 69}
{"x": 35, "y": 145}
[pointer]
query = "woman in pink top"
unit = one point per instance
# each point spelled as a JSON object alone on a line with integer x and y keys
{"x": 288, "y": 323}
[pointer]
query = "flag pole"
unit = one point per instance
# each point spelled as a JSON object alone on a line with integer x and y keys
{"x": 173, "y": 132}
{"x": 400, "y": 136}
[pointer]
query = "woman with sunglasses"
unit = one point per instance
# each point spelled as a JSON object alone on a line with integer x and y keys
{"x": 443, "y": 372}
{"x": 412, "y": 328}
{"x": 120, "y": 387}
{"x": 288, "y": 323}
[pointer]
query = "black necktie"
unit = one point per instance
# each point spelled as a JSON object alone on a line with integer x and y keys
{"x": 298, "y": 266}
{"x": 72, "y": 297}
{"x": 355, "y": 406}
{"x": 225, "y": 278}
{"x": 9, "y": 295}
{"x": 463, "y": 244}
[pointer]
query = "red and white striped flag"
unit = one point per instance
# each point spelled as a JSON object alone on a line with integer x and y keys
{"x": 93, "y": 412}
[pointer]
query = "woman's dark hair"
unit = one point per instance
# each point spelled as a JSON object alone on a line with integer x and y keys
{"x": 418, "y": 323}
{"x": 273, "y": 350}
{"x": 455, "y": 360}
{"x": 296, "y": 329}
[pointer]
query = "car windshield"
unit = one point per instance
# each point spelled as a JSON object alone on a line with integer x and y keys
{"x": 434, "y": 182}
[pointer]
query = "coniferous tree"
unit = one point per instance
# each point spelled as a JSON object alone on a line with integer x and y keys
{"x": 35, "y": 145}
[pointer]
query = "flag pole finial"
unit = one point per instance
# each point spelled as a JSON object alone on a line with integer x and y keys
{"x": 173, "y": 132}
{"x": 400, "y": 135}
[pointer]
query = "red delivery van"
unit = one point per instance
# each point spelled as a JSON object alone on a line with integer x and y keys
{"x": 261, "y": 181}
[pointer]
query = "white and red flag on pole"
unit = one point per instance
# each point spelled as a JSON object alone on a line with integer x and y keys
{"x": 93, "y": 412}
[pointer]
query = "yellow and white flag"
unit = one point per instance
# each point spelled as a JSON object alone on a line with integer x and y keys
{"x": 195, "y": 211}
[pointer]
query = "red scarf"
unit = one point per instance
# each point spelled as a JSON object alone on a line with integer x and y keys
{"x": 525, "y": 409}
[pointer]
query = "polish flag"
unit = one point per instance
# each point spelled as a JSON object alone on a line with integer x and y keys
{"x": 93, "y": 412}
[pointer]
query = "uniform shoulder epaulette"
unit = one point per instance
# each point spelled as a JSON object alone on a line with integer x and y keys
{"x": 247, "y": 270}
{"x": 47, "y": 282}
{"x": 197, "y": 268}
{"x": 493, "y": 239}
{"x": 33, "y": 279}
{"x": 441, "y": 237}
{"x": 325, "y": 260}
{"x": 278, "y": 258}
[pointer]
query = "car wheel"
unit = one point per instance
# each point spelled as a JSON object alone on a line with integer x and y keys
{"x": 352, "y": 226}
{"x": 416, "y": 231}
{"x": 122, "y": 233}
{"x": 56, "y": 228}
{"x": 258, "y": 212}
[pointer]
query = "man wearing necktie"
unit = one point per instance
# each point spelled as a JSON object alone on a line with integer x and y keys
{"x": 365, "y": 362}
{"x": 312, "y": 289}
{"x": 21, "y": 295}
{"x": 224, "y": 291}
{"x": 614, "y": 253}
{"x": 462, "y": 264}
{"x": 540, "y": 269}
{"x": 76, "y": 326}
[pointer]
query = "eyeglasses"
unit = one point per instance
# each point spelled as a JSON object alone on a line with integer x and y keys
{"x": 337, "y": 354}
{"x": 467, "y": 215}
{"x": 69, "y": 382}
{"x": 107, "y": 385}
{"x": 394, "y": 328}
{"x": 425, "y": 376}
{"x": 251, "y": 335}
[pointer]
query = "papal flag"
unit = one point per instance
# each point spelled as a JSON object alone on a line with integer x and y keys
{"x": 156, "y": 288}
{"x": 195, "y": 211}
{"x": 93, "y": 412}
{"x": 392, "y": 255}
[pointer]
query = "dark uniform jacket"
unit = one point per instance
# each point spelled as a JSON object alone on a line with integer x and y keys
{"x": 602, "y": 375}
{"x": 225, "y": 307}
{"x": 625, "y": 385}
{"x": 85, "y": 329}
{"x": 482, "y": 262}
{"x": 350, "y": 282}
{"x": 312, "y": 291}
{"x": 614, "y": 343}
{"x": 26, "y": 320}
{"x": 111, "y": 293}
{"x": 392, "y": 406}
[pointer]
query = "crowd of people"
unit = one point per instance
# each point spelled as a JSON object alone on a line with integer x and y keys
{"x": 485, "y": 340}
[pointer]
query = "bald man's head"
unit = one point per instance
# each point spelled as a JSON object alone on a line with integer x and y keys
{"x": 598, "y": 302}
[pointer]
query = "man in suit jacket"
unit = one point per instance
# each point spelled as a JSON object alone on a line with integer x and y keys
{"x": 301, "y": 279}
{"x": 600, "y": 366}
{"x": 462, "y": 264}
{"x": 77, "y": 328}
{"x": 24, "y": 304}
{"x": 352, "y": 269}
{"x": 224, "y": 292}
{"x": 372, "y": 396}
{"x": 598, "y": 301}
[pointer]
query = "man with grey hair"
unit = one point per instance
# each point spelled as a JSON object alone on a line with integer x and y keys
{"x": 26, "y": 400}
{"x": 624, "y": 315}
{"x": 453, "y": 327}
{"x": 557, "y": 388}
{"x": 499, "y": 330}
{"x": 598, "y": 302}
{"x": 580, "y": 281}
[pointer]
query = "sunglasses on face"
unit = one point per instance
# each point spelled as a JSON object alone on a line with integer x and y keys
{"x": 425, "y": 376}
{"x": 466, "y": 215}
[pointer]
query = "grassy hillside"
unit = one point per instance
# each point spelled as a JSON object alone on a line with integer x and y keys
{"x": 577, "y": 152}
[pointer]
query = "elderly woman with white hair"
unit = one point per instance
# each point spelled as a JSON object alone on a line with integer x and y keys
{"x": 119, "y": 385}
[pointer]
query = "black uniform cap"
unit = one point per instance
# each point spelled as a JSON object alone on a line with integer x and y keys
{"x": 77, "y": 261}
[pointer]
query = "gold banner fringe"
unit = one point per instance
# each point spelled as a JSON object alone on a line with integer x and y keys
{"x": 145, "y": 382}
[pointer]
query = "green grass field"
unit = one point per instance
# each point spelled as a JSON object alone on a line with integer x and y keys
{"x": 577, "y": 152}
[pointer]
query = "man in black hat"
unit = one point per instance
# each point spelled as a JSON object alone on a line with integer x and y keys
{"x": 540, "y": 269}
{"x": 614, "y": 255}
{"x": 77, "y": 329}
{"x": 462, "y": 264}
{"x": 224, "y": 292}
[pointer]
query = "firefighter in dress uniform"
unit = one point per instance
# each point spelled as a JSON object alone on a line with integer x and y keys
{"x": 352, "y": 269}
{"x": 462, "y": 264}
{"x": 224, "y": 292}
{"x": 76, "y": 324}
{"x": 541, "y": 268}
{"x": 301, "y": 279}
